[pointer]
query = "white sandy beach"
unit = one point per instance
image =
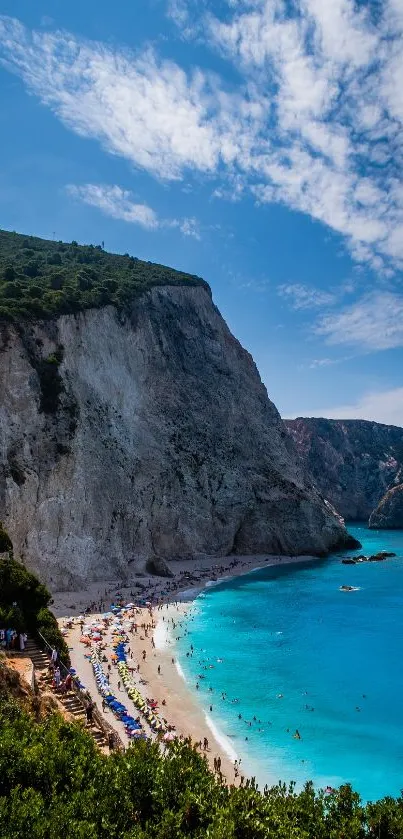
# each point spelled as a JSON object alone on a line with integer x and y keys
{"x": 159, "y": 676}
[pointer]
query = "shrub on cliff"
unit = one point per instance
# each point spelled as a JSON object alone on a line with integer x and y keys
{"x": 6, "y": 545}
{"x": 24, "y": 602}
{"x": 51, "y": 381}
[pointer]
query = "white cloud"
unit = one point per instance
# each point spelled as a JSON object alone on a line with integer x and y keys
{"x": 379, "y": 406}
{"x": 322, "y": 362}
{"x": 115, "y": 202}
{"x": 335, "y": 76}
{"x": 343, "y": 34}
{"x": 190, "y": 227}
{"x": 375, "y": 322}
{"x": 304, "y": 297}
{"x": 313, "y": 122}
{"x": 118, "y": 203}
{"x": 138, "y": 106}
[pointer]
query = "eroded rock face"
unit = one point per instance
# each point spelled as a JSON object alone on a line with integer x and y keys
{"x": 352, "y": 462}
{"x": 389, "y": 512}
{"x": 158, "y": 438}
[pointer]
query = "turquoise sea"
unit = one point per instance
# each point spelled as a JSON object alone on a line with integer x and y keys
{"x": 288, "y": 650}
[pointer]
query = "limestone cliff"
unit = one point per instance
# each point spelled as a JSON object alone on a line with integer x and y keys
{"x": 126, "y": 436}
{"x": 352, "y": 462}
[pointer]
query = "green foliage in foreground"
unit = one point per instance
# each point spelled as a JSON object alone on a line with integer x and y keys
{"x": 44, "y": 279}
{"x": 55, "y": 783}
{"x": 24, "y": 602}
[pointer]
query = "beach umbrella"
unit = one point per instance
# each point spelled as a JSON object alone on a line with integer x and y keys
{"x": 169, "y": 736}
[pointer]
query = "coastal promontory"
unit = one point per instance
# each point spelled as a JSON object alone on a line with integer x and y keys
{"x": 133, "y": 423}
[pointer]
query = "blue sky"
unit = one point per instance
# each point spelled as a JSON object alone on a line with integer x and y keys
{"x": 257, "y": 144}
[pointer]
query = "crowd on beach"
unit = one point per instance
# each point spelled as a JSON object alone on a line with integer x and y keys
{"x": 107, "y": 639}
{"x": 137, "y": 618}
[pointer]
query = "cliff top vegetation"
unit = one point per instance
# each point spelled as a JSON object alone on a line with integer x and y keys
{"x": 42, "y": 279}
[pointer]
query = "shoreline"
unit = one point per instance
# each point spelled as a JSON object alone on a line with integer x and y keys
{"x": 160, "y": 676}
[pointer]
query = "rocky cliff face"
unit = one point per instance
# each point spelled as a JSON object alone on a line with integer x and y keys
{"x": 389, "y": 512}
{"x": 151, "y": 433}
{"x": 388, "y": 515}
{"x": 352, "y": 462}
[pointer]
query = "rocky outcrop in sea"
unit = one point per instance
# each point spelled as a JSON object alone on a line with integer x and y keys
{"x": 149, "y": 433}
{"x": 352, "y": 462}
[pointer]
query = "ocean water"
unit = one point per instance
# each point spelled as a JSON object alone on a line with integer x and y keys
{"x": 286, "y": 649}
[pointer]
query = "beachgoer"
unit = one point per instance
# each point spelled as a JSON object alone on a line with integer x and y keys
{"x": 53, "y": 657}
{"x": 159, "y": 669}
{"x": 57, "y": 678}
{"x": 89, "y": 712}
{"x": 68, "y": 682}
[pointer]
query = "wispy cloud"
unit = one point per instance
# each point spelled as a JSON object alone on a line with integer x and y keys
{"x": 322, "y": 362}
{"x": 118, "y": 203}
{"x": 140, "y": 107}
{"x": 115, "y": 202}
{"x": 375, "y": 322}
{"x": 189, "y": 227}
{"x": 379, "y": 406}
{"x": 305, "y": 297}
{"x": 315, "y": 120}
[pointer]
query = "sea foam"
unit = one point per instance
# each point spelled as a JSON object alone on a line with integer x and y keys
{"x": 221, "y": 739}
{"x": 161, "y": 636}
